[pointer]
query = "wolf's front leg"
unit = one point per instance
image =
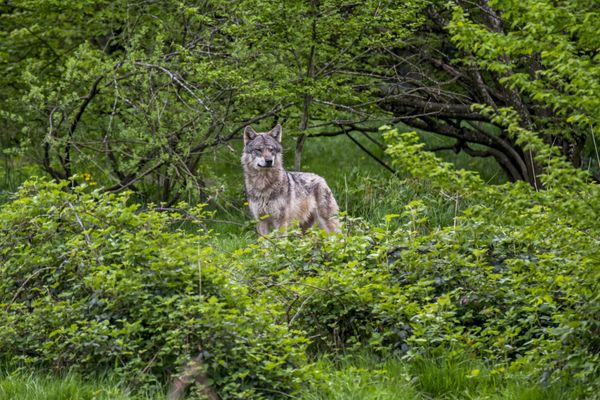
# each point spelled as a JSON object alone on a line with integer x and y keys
{"x": 262, "y": 227}
{"x": 281, "y": 226}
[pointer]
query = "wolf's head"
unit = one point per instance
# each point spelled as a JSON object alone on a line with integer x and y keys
{"x": 262, "y": 150}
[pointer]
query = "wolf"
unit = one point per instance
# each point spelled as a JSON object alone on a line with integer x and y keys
{"x": 277, "y": 197}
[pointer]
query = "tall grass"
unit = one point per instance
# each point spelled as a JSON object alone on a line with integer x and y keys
{"x": 361, "y": 377}
{"x": 19, "y": 385}
{"x": 366, "y": 376}
{"x": 358, "y": 376}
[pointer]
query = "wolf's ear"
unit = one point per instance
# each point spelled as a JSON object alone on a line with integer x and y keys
{"x": 249, "y": 134}
{"x": 275, "y": 133}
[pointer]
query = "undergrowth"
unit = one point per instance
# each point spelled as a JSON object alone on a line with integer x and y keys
{"x": 357, "y": 376}
{"x": 459, "y": 290}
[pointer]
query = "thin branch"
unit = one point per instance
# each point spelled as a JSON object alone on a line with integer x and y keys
{"x": 86, "y": 101}
{"x": 88, "y": 239}
{"x": 373, "y": 156}
{"x": 300, "y": 307}
{"x": 178, "y": 80}
{"x": 131, "y": 179}
{"x": 18, "y": 291}
{"x": 46, "y": 160}
{"x": 405, "y": 105}
{"x": 235, "y": 131}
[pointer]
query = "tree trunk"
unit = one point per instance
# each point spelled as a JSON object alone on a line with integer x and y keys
{"x": 310, "y": 75}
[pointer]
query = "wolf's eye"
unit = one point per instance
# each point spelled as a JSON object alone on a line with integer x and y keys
{"x": 257, "y": 151}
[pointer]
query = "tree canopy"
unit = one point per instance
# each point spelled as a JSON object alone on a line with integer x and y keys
{"x": 139, "y": 93}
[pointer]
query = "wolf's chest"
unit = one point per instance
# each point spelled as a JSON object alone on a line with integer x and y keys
{"x": 262, "y": 206}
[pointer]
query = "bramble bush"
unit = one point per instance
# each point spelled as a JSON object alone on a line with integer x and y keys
{"x": 89, "y": 282}
{"x": 517, "y": 277}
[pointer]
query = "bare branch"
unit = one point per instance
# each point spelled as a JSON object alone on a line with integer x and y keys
{"x": 86, "y": 101}
{"x": 177, "y": 79}
{"x": 407, "y": 105}
{"x": 373, "y": 156}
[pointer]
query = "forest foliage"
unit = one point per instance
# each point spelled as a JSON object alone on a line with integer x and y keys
{"x": 140, "y": 95}
{"x": 113, "y": 112}
{"x": 92, "y": 282}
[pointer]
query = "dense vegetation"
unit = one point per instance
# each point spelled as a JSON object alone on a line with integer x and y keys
{"x": 140, "y": 95}
{"x": 472, "y": 273}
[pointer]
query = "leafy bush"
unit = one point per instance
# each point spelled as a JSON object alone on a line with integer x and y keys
{"x": 89, "y": 282}
{"x": 513, "y": 280}
{"x": 333, "y": 288}
{"x": 517, "y": 277}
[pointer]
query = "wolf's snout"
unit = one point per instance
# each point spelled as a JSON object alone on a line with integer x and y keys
{"x": 269, "y": 163}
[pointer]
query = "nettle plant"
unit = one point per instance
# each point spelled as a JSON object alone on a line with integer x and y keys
{"x": 90, "y": 282}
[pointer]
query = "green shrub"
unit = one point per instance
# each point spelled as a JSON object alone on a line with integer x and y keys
{"x": 89, "y": 282}
{"x": 514, "y": 279}
{"x": 335, "y": 288}
{"x": 517, "y": 277}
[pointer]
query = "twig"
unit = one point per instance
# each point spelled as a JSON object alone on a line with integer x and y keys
{"x": 9, "y": 305}
{"x": 88, "y": 239}
{"x": 595, "y": 147}
{"x": 363, "y": 148}
{"x": 180, "y": 82}
{"x": 301, "y": 306}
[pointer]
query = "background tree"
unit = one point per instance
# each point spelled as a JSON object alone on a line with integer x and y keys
{"x": 138, "y": 94}
{"x": 537, "y": 57}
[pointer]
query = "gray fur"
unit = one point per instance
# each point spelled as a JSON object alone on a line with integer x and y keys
{"x": 277, "y": 197}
